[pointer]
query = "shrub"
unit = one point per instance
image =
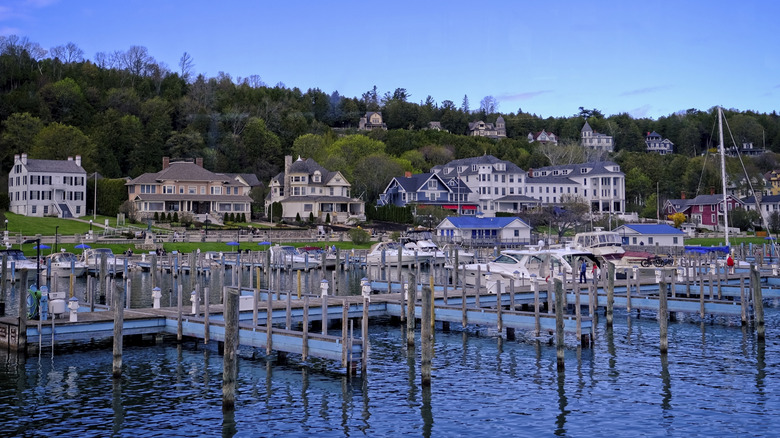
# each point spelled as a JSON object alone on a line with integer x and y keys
{"x": 225, "y": 218}
{"x": 311, "y": 217}
{"x": 156, "y": 217}
{"x": 176, "y": 217}
{"x": 359, "y": 236}
{"x": 298, "y": 217}
{"x": 169, "y": 217}
{"x": 327, "y": 218}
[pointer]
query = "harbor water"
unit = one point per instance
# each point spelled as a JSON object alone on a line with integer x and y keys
{"x": 717, "y": 380}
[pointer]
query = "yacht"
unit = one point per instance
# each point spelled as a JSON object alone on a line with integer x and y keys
{"x": 288, "y": 257}
{"x": 605, "y": 244}
{"x": 390, "y": 252}
{"x": 66, "y": 263}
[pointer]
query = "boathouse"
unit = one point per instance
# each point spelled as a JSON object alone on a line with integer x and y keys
{"x": 483, "y": 231}
{"x": 650, "y": 235}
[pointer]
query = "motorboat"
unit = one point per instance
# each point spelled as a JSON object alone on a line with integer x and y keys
{"x": 605, "y": 244}
{"x": 463, "y": 255}
{"x": 521, "y": 265}
{"x": 388, "y": 253}
{"x": 288, "y": 257}
{"x": 92, "y": 258}
{"x": 427, "y": 248}
{"x": 66, "y": 263}
{"x": 20, "y": 262}
{"x": 316, "y": 253}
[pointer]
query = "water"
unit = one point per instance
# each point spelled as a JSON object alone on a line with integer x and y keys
{"x": 717, "y": 380}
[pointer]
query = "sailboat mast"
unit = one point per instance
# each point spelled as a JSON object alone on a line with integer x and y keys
{"x": 723, "y": 176}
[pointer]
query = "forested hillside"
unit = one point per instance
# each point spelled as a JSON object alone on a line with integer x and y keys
{"x": 123, "y": 111}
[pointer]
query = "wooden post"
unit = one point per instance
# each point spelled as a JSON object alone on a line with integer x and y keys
{"x": 179, "y": 321}
{"x": 230, "y": 359}
{"x": 364, "y": 336}
{"x": 288, "y": 313}
{"x": 663, "y": 317}
{"x": 537, "y": 321}
{"x": 324, "y": 319}
{"x": 3, "y": 283}
{"x": 21, "y": 344}
{"x": 119, "y": 316}
{"x": 464, "y": 316}
{"x": 410, "y": 316}
{"x": 299, "y": 284}
{"x": 743, "y": 299}
{"x": 305, "y": 345}
{"x": 426, "y": 333}
{"x": 559, "y": 303}
{"x": 758, "y": 302}
{"x": 499, "y": 322}
{"x": 344, "y": 332}
{"x": 610, "y": 293}
{"x": 206, "y": 332}
{"x": 577, "y": 312}
{"x": 478, "y": 286}
{"x": 269, "y": 319}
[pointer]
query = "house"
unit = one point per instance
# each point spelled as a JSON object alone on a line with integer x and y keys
{"x": 187, "y": 187}
{"x": 594, "y": 140}
{"x": 428, "y": 189}
{"x": 488, "y": 180}
{"x": 656, "y": 144}
{"x": 705, "y": 211}
{"x": 47, "y": 187}
{"x": 478, "y": 231}
{"x": 436, "y": 126}
{"x": 769, "y": 205}
{"x": 601, "y": 184}
{"x": 542, "y": 137}
{"x": 371, "y": 121}
{"x": 482, "y": 129}
{"x": 306, "y": 189}
{"x": 772, "y": 179}
{"x": 650, "y": 235}
{"x": 747, "y": 150}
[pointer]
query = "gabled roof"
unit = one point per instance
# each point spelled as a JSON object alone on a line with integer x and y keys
{"x": 771, "y": 199}
{"x": 468, "y": 222}
{"x": 53, "y": 166}
{"x": 653, "y": 229}
{"x": 250, "y": 178}
{"x": 450, "y": 170}
{"x": 586, "y": 127}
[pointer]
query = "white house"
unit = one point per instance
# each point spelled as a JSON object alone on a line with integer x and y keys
{"x": 596, "y": 140}
{"x": 650, "y": 235}
{"x": 483, "y": 231}
{"x": 601, "y": 184}
{"x": 47, "y": 187}
{"x": 306, "y": 189}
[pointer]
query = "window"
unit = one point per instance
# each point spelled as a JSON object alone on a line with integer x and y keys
{"x": 34, "y": 209}
{"x": 216, "y": 190}
{"x": 202, "y": 190}
{"x": 650, "y": 240}
{"x": 169, "y": 190}
{"x": 674, "y": 240}
{"x": 192, "y": 190}
{"x": 517, "y": 233}
{"x": 307, "y": 207}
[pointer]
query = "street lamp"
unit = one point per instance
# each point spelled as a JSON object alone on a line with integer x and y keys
{"x": 6, "y": 224}
{"x": 90, "y": 228}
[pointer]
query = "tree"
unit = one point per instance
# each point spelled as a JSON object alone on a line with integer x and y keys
{"x": 58, "y": 142}
{"x": 488, "y": 105}
{"x": 678, "y": 219}
{"x": 18, "y": 133}
{"x": 186, "y": 66}
{"x": 465, "y": 105}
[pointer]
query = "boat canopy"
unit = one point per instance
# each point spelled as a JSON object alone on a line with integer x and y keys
{"x": 707, "y": 249}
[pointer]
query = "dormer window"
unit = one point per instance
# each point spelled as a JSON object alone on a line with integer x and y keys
{"x": 316, "y": 177}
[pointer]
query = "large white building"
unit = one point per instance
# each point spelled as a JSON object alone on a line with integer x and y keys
{"x": 596, "y": 140}
{"x": 601, "y": 184}
{"x": 47, "y": 187}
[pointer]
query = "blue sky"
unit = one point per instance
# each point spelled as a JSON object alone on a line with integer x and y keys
{"x": 648, "y": 59}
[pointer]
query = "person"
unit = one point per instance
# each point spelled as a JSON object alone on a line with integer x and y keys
{"x": 583, "y": 269}
{"x": 595, "y": 273}
{"x": 730, "y": 264}
{"x": 129, "y": 252}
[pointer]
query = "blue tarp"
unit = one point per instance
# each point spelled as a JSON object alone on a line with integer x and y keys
{"x": 706, "y": 249}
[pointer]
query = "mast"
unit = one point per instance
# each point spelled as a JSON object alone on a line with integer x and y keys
{"x": 723, "y": 176}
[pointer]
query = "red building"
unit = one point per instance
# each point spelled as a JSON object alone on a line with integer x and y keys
{"x": 703, "y": 210}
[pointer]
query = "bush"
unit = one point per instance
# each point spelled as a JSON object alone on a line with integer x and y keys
{"x": 311, "y": 217}
{"x": 327, "y": 218}
{"x": 225, "y": 218}
{"x": 169, "y": 217}
{"x": 359, "y": 236}
{"x": 298, "y": 217}
{"x": 175, "y": 217}
{"x": 243, "y": 217}
{"x": 156, "y": 217}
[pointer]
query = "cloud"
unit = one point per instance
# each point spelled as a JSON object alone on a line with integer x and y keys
{"x": 641, "y": 112}
{"x": 645, "y": 90}
{"x": 522, "y": 96}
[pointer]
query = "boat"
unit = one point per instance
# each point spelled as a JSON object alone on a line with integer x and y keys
{"x": 605, "y": 244}
{"x": 428, "y": 249}
{"x": 66, "y": 263}
{"x": 20, "y": 262}
{"x": 387, "y": 253}
{"x": 288, "y": 257}
{"x": 316, "y": 253}
{"x": 463, "y": 255}
{"x": 521, "y": 265}
{"x": 92, "y": 258}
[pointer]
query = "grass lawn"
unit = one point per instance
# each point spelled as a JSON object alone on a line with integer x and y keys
{"x": 734, "y": 241}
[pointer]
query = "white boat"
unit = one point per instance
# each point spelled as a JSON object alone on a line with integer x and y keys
{"x": 428, "y": 249}
{"x": 288, "y": 257}
{"x": 605, "y": 244}
{"x": 92, "y": 258}
{"x": 388, "y": 253}
{"x": 316, "y": 253}
{"x": 463, "y": 255}
{"x": 65, "y": 263}
{"x": 521, "y": 265}
{"x": 20, "y": 262}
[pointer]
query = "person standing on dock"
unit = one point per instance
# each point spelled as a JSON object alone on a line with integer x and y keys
{"x": 730, "y": 264}
{"x": 583, "y": 269}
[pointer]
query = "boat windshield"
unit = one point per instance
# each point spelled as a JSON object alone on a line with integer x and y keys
{"x": 14, "y": 254}
{"x": 503, "y": 258}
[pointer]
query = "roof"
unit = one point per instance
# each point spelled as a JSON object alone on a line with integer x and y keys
{"x": 576, "y": 169}
{"x": 518, "y": 198}
{"x": 700, "y": 200}
{"x": 771, "y": 199}
{"x": 309, "y": 167}
{"x": 250, "y": 178}
{"x": 184, "y": 197}
{"x": 181, "y": 171}
{"x": 54, "y": 166}
{"x": 450, "y": 170}
{"x": 483, "y": 222}
{"x": 653, "y": 228}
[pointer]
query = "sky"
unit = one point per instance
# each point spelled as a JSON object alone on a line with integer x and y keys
{"x": 645, "y": 58}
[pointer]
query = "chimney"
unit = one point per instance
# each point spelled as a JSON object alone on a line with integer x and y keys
{"x": 166, "y": 162}
{"x": 408, "y": 174}
{"x": 24, "y": 158}
{"x": 682, "y": 195}
{"x": 70, "y": 158}
{"x": 712, "y": 190}
{"x": 78, "y": 160}
{"x": 199, "y": 162}
{"x": 287, "y": 164}
{"x": 530, "y": 173}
